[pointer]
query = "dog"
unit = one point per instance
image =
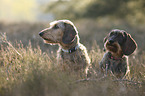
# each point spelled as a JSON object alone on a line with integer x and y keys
{"x": 71, "y": 55}
{"x": 119, "y": 45}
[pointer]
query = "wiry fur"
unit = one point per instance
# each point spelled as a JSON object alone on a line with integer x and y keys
{"x": 119, "y": 44}
{"x": 65, "y": 34}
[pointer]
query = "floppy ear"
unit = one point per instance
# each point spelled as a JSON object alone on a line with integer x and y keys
{"x": 69, "y": 34}
{"x": 129, "y": 45}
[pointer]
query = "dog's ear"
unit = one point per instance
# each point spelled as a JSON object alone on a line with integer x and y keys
{"x": 129, "y": 45}
{"x": 69, "y": 34}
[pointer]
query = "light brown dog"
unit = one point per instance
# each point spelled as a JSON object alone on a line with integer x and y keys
{"x": 118, "y": 43}
{"x": 72, "y": 55}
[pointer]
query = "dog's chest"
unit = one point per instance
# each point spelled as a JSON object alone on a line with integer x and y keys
{"x": 73, "y": 61}
{"x": 114, "y": 63}
{"x": 70, "y": 57}
{"x": 117, "y": 65}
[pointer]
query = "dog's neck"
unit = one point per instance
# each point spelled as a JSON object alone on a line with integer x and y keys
{"x": 71, "y": 45}
{"x": 117, "y": 55}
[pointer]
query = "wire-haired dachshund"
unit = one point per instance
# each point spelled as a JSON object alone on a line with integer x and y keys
{"x": 119, "y": 44}
{"x": 72, "y": 55}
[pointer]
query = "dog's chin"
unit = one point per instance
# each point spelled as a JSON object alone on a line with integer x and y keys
{"x": 49, "y": 42}
{"x": 111, "y": 48}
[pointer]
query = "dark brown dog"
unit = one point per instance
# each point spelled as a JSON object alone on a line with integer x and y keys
{"x": 118, "y": 43}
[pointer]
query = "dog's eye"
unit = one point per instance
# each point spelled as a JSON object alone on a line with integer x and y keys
{"x": 55, "y": 27}
{"x": 112, "y": 33}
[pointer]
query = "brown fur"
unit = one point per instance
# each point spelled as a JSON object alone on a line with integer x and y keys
{"x": 118, "y": 43}
{"x": 65, "y": 34}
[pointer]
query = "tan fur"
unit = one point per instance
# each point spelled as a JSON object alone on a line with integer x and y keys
{"x": 118, "y": 53}
{"x": 76, "y": 61}
{"x": 57, "y": 33}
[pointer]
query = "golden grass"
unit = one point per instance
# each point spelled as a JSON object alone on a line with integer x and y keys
{"x": 28, "y": 69}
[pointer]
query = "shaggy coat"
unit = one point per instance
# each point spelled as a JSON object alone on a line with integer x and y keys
{"x": 72, "y": 55}
{"x": 119, "y": 44}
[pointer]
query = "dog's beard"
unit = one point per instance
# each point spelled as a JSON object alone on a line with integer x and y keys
{"x": 112, "y": 47}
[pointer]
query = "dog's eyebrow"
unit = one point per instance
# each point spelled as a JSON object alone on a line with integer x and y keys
{"x": 112, "y": 33}
{"x": 120, "y": 33}
{"x": 58, "y": 23}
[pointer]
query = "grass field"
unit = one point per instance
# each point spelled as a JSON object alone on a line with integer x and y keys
{"x": 27, "y": 65}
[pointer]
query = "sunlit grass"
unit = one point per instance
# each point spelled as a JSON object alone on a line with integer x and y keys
{"x": 28, "y": 66}
{"x": 33, "y": 74}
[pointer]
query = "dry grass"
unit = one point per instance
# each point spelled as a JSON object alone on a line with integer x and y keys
{"x": 27, "y": 67}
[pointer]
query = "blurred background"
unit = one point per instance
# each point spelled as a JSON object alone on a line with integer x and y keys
{"x": 22, "y": 20}
{"x": 29, "y": 70}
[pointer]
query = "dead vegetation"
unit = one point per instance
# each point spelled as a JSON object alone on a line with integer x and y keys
{"x": 27, "y": 65}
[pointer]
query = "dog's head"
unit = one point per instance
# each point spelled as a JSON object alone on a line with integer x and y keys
{"x": 120, "y": 41}
{"x": 61, "y": 31}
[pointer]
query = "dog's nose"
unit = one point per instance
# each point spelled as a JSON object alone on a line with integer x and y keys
{"x": 41, "y": 33}
{"x": 111, "y": 41}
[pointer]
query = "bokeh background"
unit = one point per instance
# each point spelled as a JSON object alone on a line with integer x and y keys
{"x": 22, "y": 20}
{"x": 27, "y": 64}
